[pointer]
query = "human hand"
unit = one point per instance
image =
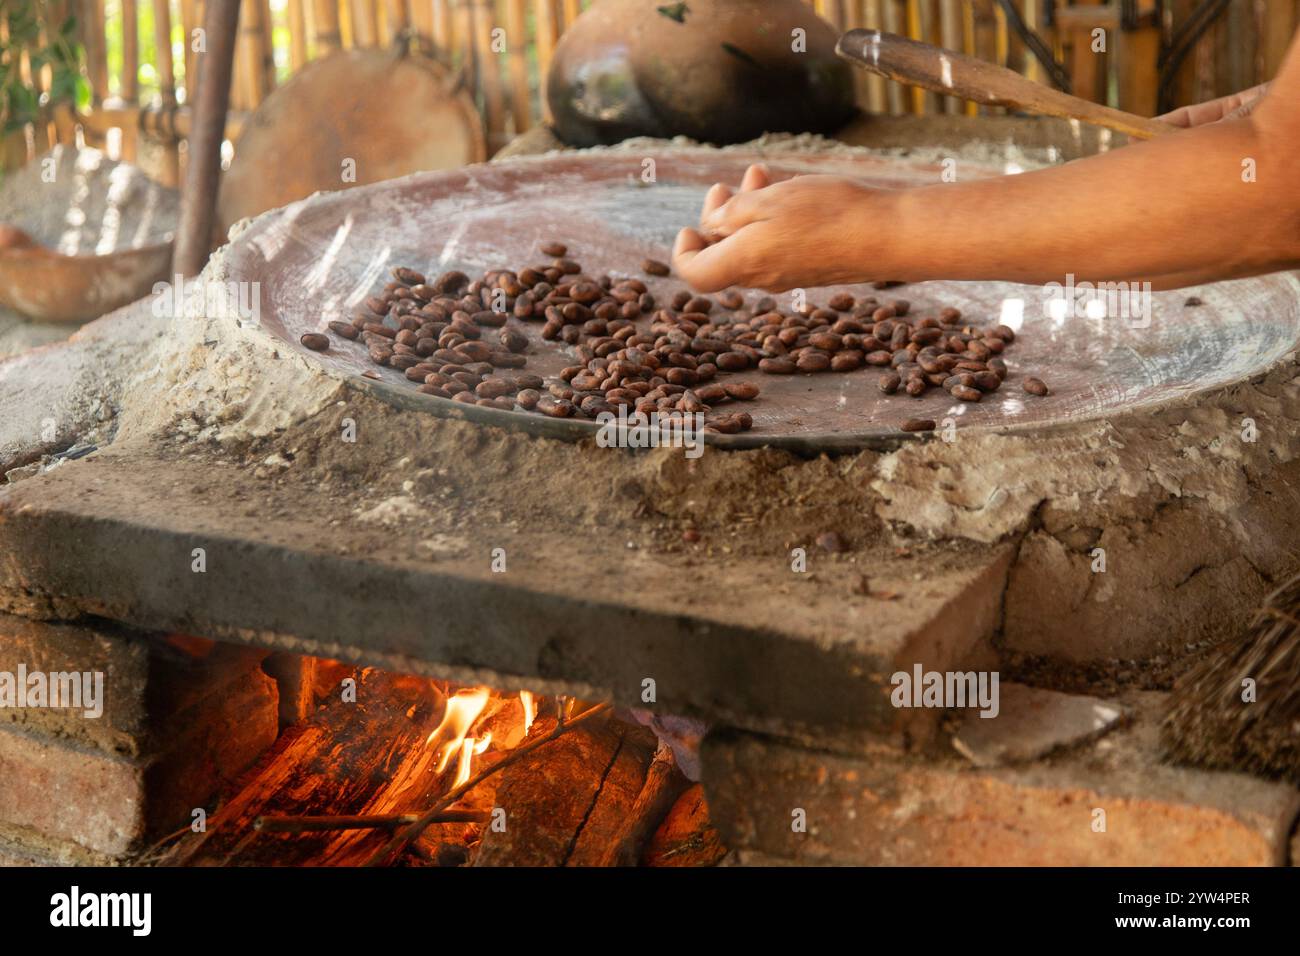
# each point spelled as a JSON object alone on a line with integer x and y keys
{"x": 1224, "y": 108}
{"x": 806, "y": 231}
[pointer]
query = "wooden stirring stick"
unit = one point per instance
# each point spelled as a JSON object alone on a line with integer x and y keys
{"x": 956, "y": 74}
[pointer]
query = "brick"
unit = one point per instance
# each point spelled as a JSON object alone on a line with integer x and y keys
{"x": 108, "y": 803}
{"x": 146, "y": 680}
{"x": 22, "y": 846}
{"x": 71, "y": 792}
{"x": 893, "y": 809}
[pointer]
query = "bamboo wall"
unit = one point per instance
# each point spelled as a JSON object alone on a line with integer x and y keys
{"x": 139, "y": 60}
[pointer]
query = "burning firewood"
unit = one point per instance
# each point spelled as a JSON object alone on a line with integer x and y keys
{"x": 590, "y": 799}
{"x": 351, "y": 759}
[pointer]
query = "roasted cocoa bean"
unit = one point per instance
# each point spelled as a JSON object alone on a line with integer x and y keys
{"x": 773, "y": 366}
{"x": 741, "y": 391}
{"x": 450, "y": 282}
{"x": 734, "y": 361}
{"x": 812, "y": 361}
{"x": 513, "y": 340}
{"x": 1035, "y": 386}
{"x": 555, "y": 407}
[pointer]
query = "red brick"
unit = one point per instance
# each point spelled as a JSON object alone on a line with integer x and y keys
{"x": 109, "y": 803}
{"x": 145, "y": 679}
{"x": 892, "y": 809}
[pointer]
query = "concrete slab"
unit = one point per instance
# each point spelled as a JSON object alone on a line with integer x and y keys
{"x": 800, "y": 653}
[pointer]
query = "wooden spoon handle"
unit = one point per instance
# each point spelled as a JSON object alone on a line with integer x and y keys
{"x": 956, "y": 74}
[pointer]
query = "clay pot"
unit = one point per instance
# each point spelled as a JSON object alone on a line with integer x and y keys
{"x": 718, "y": 71}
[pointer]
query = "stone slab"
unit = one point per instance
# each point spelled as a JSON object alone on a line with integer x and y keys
{"x": 1033, "y": 722}
{"x": 279, "y": 576}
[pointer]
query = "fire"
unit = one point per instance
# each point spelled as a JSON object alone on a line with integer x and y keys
{"x": 452, "y": 738}
{"x": 530, "y": 709}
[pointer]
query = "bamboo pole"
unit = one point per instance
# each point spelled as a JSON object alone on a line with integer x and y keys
{"x": 1136, "y": 53}
{"x": 46, "y": 134}
{"x": 396, "y": 19}
{"x": 327, "y": 33}
{"x": 489, "y": 64}
{"x": 422, "y": 19}
{"x": 268, "y": 47}
{"x": 950, "y": 37}
{"x": 547, "y": 34}
{"x": 895, "y": 21}
{"x": 873, "y": 18}
{"x": 521, "y": 106}
{"x": 93, "y": 36}
{"x": 365, "y": 26}
{"x": 297, "y": 34}
{"x": 250, "y": 66}
{"x": 462, "y": 41}
{"x": 443, "y": 28}
{"x": 189, "y": 19}
{"x": 130, "y": 88}
{"x": 1276, "y": 28}
{"x": 170, "y": 173}
{"x": 129, "y": 84}
{"x": 155, "y": 122}
{"x": 572, "y": 10}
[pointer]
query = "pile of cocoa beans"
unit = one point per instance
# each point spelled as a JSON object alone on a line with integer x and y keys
{"x": 457, "y": 338}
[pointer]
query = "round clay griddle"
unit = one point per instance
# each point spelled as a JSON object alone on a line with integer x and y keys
{"x": 317, "y": 260}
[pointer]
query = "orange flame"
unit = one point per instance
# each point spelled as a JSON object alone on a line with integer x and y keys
{"x": 530, "y": 709}
{"x": 450, "y": 736}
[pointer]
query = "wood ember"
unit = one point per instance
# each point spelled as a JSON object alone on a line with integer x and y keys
{"x": 663, "y": 784}
{"x": 458, "y": 339}
{"x": 686, "y": 837}
{"x": 569, "y": 802}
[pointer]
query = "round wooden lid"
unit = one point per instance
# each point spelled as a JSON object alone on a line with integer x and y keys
{"x": 354, "y": 117}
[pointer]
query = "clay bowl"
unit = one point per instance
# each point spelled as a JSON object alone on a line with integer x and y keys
{"x": 50, "y": 287}
{"x": 318, "y": 259}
